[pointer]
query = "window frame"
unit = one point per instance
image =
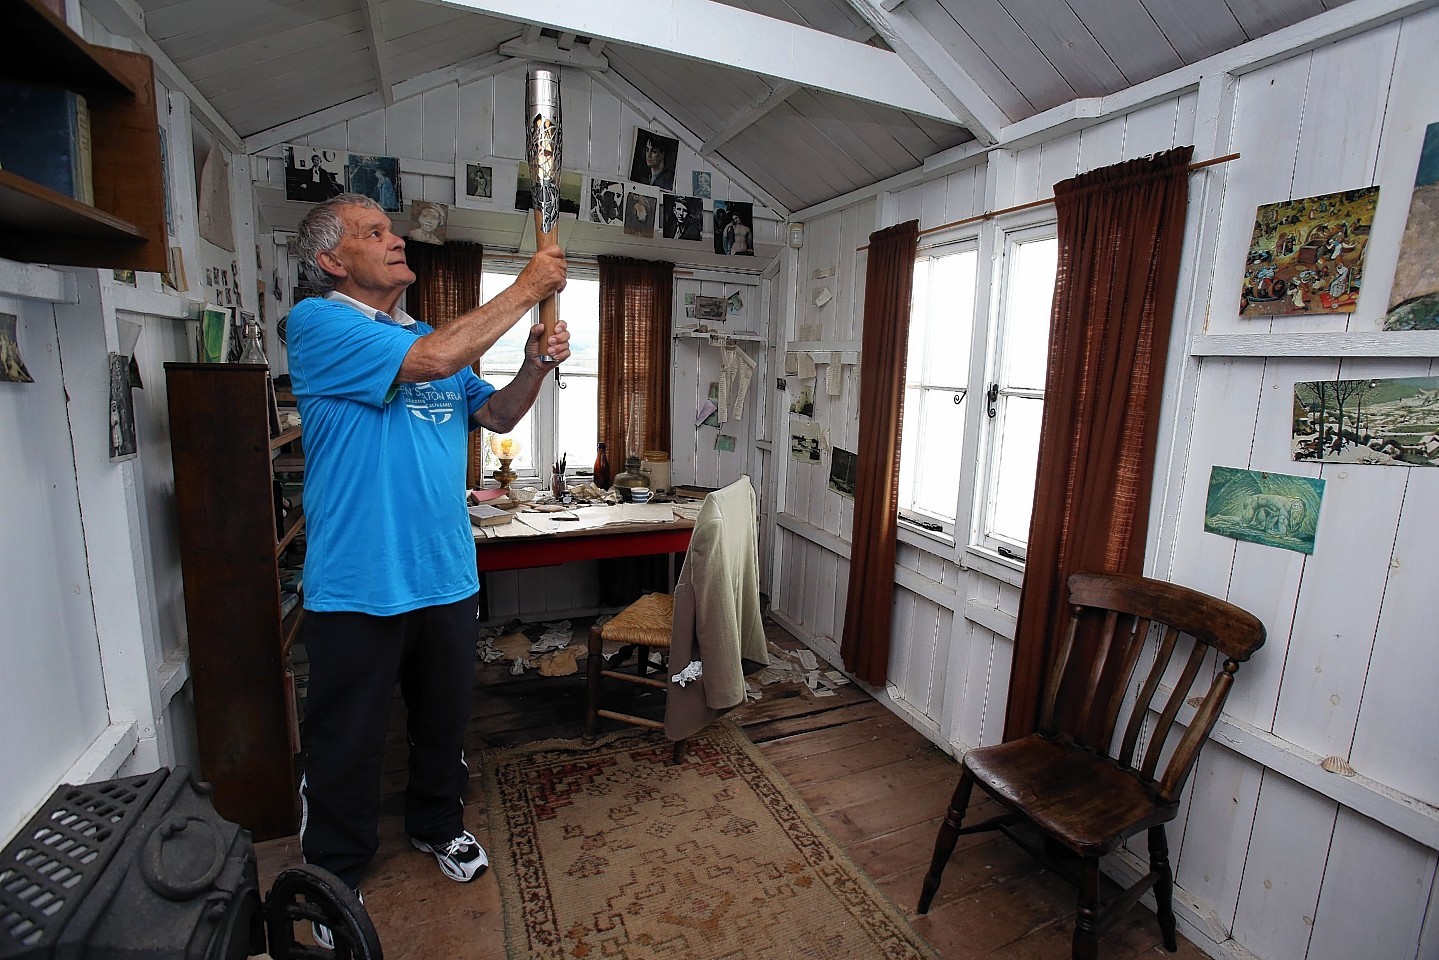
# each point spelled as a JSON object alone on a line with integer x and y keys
{"x": 541, "y": 442}
{"x": 982, "y": 540}
{"x": 920, "y": 521}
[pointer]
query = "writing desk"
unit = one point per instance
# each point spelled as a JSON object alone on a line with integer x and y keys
{"x": 601, "y": 532}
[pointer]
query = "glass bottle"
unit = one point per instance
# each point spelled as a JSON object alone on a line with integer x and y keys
{"x": 254, "y": 351}
{"x": 602, "y": 468}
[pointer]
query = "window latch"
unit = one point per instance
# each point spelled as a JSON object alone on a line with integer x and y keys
{"x": 992, "y": 395}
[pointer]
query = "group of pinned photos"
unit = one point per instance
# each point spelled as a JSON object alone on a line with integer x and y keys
{"x": 314, "y": 174}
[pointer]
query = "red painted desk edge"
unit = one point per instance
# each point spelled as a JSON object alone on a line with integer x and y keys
{"x": 547, "y": 551}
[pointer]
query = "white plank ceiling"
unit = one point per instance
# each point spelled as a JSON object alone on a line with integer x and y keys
{"x": 811, "y": 99}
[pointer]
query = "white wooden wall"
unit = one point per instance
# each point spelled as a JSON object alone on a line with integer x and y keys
{"x": 1274, "y": 857}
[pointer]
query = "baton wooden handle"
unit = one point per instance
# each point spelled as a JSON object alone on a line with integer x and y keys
{"x": 550, "y": 306}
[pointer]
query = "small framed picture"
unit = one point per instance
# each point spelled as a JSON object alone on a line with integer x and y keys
{"x": 474, "y": 182}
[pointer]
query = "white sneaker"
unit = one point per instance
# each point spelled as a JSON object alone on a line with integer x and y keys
{"x": 462, "y": 859}
{"x": 321, "y": 933}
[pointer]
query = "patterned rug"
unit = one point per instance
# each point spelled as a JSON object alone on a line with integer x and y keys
{"x": 609, "y": 851}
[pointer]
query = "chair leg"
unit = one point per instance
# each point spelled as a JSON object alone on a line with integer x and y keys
{"x": 594, "y": 663}
{"x": 947, "y": 838}
{"x": 679, "y": 752}
{"x": 1163, "y": 886}
{"x": 642, "y": 661}
{"x": 1086, "y": 936}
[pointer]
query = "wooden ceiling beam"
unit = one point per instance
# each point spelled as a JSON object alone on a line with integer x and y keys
{"x": 370, "y": 13}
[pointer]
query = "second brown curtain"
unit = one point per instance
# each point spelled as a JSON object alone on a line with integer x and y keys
{"x": 1121, "y": 230}
{"x": 636, "y": 302}
{"x": 889, "y": 282}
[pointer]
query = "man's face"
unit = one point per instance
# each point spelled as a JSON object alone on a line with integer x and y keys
{"x": 370, "y": 256}
{"x": 682, "y": 211}
{"x": 654, "y": 156}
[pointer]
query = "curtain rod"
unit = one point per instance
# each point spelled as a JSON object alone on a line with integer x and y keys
{"x": 989, "y": 215}
{"x": 580, "y": 261}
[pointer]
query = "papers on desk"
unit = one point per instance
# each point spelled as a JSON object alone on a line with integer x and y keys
{"x": 532, "y": 524}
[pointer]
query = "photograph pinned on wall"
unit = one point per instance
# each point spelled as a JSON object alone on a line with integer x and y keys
{"x": 711, "y": 308}
{"x": 684, "y": 218}
{"x": 429, "y": 222}
{"x": 375, "y": 177}
{"x": 734, "y": 304}
{"x": 1307, "y": 256}
{"x": 214, "y": 333}
{"x": 1273, "y": 509}
{"x": 477, "y": 178}
{"x": 123, "y": 445}
{"x": 724, "y": 443}
{"x": 707, "y": 415}
{"x": 605, "y": 202}
{"x": 312, "y": 174}
{"x": 734, "y": 228}
{"x": 1414, "y": 298}
{"x": 842, "y": 470}
{"x": 1393, "y": 422}
{"x": 640, "y": 214}
{"x": 571, "y": 186}
{"x": 654, "y": 159}
{"x": 806, "y": 442}
{"x": 12, "y": 365}
{"x": 702, "y": 184}
{"x": 803, "y": 403}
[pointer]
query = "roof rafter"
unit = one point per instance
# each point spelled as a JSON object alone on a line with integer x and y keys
{"x": 727, "y": 36}
{"x": 933, "y": 64}
{"x": 370, "y": 12}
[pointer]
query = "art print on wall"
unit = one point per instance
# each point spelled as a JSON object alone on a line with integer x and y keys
{"x": 1394, "y": 422}
{"x": 1274, "y": 509}
{"x": 428, "y": 222}
{"x": 571, "y": 183}
{"x": 479, "y": 181}
{"x": 1307, "y": 256}
{"x": 605, "y": 202}
{"x": 123, "y": 444}
{"x": 843, "y": 467}
{"x": 806, "y": 444}
{"x": 734, "y": 228}
{"x": 655, "y": 156}
{"x": 684, "y": 218}
{"x": 375, "y": 177}
{"x": 312, "y": 174}
{"x": 640, "y": 214}
{"x": 701, "y": 181}
{"x": 1414, "y": 300}
{"x": 12, "y": 365}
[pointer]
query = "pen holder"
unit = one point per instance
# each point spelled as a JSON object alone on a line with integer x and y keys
{"x": 557, "y": 485}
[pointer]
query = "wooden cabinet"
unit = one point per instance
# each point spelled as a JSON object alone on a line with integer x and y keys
{"x": 223, "y": 453}
{"x": 126, "y": 226}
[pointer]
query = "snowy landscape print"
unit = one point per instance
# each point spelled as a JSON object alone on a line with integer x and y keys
{"x": 1392, "y": 422}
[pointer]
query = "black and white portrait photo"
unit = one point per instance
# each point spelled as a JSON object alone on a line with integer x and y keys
{"x": 377, "y": 178}
{"x": 734, "y": 228}
{"x": 654, "y": 159}
{"x": 428, "y": 221}
{"x": 313, "y": 175}
{"x": 684, "y": 218}
{"x": 12, "y": 366}
{"x": 606, "y": 202}
{"x": 640, "y": 214}
{"x": 479, "y": 181}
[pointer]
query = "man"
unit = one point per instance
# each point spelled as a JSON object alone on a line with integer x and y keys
{"x": 390, "y": 583}
{"x": 653, "y": 163}
{"x": 681, "y": 222}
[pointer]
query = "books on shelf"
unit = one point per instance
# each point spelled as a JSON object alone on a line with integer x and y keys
{"x": 47, "y": 138}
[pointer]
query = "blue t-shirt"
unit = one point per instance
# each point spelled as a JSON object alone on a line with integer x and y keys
{"x": 386, "y": 525}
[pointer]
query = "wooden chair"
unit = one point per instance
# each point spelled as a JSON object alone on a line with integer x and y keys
{"x": 1067, "y": 780}
{"x": 711, "y": 624}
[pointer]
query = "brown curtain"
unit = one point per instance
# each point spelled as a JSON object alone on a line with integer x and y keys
{"x": 1120, "y": 235}
{"x": 447, "y": 284}
{"x": 889, "y": 281}
{"x": 636, "y": 301}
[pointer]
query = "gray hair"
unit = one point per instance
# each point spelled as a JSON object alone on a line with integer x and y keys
{"x": 321, "y": 231}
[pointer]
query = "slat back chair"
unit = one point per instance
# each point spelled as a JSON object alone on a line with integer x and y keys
{"x": 1069, "y": 781}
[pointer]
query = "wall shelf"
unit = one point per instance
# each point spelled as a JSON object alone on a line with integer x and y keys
{"x": 1407, "y": 343}
{"x": 126, "y": 226}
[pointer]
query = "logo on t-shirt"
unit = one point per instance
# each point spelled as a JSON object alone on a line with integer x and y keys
{"x": 427, "y": 402}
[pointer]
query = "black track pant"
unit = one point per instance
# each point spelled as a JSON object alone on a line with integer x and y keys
{"x": 355, "y": 661}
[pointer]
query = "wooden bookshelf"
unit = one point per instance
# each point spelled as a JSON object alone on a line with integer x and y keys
{"x": 126, "y": 226}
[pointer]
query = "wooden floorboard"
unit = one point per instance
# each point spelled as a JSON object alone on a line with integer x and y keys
{"x": 876, "y": 784}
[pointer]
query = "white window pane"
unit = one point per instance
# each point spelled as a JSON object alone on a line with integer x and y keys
{"x": 580, "y": 311}
{"x": 577, "y": 431}
{"x": 951, "y": 319}
{"x": 1029, "y": 299}
{"x": 509, "y": 351}
{"x": 910, "y": 440}
{"x": 919, "y": 321}
{"x": 523, "y": 431}
{"x": 937, "y": 480}
{"x": 1018, "y": 457}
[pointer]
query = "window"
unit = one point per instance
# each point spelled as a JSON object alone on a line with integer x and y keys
{"x": 937, "y": 384}
{"x": 1015, "y": 395}
{"x": 563, "y": 421}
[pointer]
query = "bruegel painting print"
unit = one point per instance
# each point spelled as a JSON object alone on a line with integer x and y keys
{"x": 1307, "y": 256}
{"x": 1274, "y": 509}
{"x": 1414, "y": 300}
{"x": 1392, "y": 422}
